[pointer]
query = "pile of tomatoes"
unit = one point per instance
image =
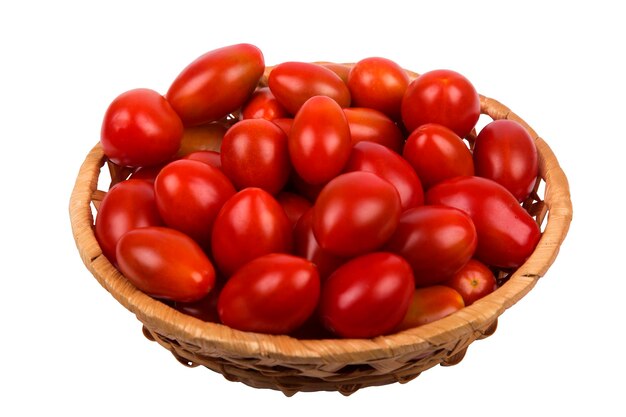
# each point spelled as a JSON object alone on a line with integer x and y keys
{"x": 323, "y": 200}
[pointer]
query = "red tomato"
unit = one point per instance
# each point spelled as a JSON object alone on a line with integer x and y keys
{"x": 319, "y": 140}
{"x": 284, "y": 123}
{"x": 216, "y": 84}
{"x": 165, "y": 263}
{"x": 444, "y": 97}
{"x": 255, "y": 154}
{"x": 505, "y": 152}
{"x": 294, "y": 205}
{"x": 128, "y": 205}
{"x": 507, "y": 234}
{"x": 308, "y": 191}
{"x": 473, "y": 281}
{"x": 382, "y": 161}
{"x": 140, "y": 128}
{"x": 211, "y": 158}
{"x": 207, "y": 137}
{"x": 263, "y": 105}
{"x": 189, "y": 194}
{"x": 368, "y": 296}
{"x": 250, "y": 224}
{"x": 341, "y": 70}
{"x": 293, "y": 83}
{"x": 273, "y": 294}
{"x": 429, "y": 304}
{"x": 373, "y": 126}
{"x": 378, "y": 83}
{"x": 355, "y": 213}
{"x": 436, "y": 241}
{"x": 436, "y": 153}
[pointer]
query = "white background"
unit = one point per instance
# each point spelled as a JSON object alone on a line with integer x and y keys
{"x": 67, "y": 347}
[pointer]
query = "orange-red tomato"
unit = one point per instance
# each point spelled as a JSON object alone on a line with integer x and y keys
{"x": 263, "y": 105}
{"x": 474, "y": 281}
{"x": 373, "y": 126}
{"x": 429, "y": 304}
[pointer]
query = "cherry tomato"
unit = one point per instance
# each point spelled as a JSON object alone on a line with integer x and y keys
{"x": 507, "y": 234}
{"x": 436, "y": 241}
{"x": 216, "y": 84}
{"x": 255, "y": 154}
{"x": 275, "y": 294}
{"x": 429, "y": 304}
{"x": 373, "y": 126}
{"x": 207, "y": 137}
{"x": 505, "y": 152}
{"x": 444, "y": 97}
{"x": 319, "y": 140}
{"x": 437, "y": 153}
{"x": 250, "y": 224}
{"x": 165, "y": 263}
{"x": 189, "y": 195}
{"x": 293, "y": 83}
{"x": 382, "y": 161}
{"x": 211, "y": 158}
{"x": 140, "y": 128}
{"x": 368, "y": 296}
{"x": 355, "y": 213}
{"x": 294, "y": 205}
{"x": 126, "y": 206}
{"x": 263, "y": 105}
{"x": 378, "y": 83}
{"x": 474, "y": 281}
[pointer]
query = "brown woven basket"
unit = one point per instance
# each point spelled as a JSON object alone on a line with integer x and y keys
{"x": 345, "y": 365}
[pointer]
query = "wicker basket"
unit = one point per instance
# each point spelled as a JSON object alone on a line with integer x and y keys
{"x": 345, "y": 365}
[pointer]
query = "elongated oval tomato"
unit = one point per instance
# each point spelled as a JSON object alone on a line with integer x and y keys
{"x": 293, "y": 83}
{"x": 505, "y": 153}
{"x": 319, "y": 140}
{"x": 216, "y": 84}
{"x": 263, "y": 105}
{"x": 507, "y": 234}
{"x": 373, "y": 126}
{"x": 165, "y": 263}
{"x": 429, "y": 304}
{"x": 250, "y": 224}
{"x": 275, "y": 294}
{"x": 368, "y": 296}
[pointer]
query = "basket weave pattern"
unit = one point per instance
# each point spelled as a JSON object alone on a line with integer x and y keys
{"x": 344, "y": 365}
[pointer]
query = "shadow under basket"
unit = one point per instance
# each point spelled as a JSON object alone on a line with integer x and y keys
{"x": 345, "y": 365}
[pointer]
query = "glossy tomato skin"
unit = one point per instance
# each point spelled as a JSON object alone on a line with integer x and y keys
{"x": 378, "y": 83}
{"x": 211, "y": 158}
{"x": 437, "y": 153}
{"x": 355, "y": 213}
{"x": 274, "y": 294}
{"x": 284, "y": 123}
{"x": 140, "y": 128}
{"x": 444, "y": 97}
{"x": 382, "y": 161}
{"x": 474, "y": 281}
{"x": 319, "y": 140}
{"x": 255, "y": 154}
{"x": 507, "y": 234}
{"x": 216, "y": 83}
{"x": 373, "y": 126}
{"x": 127, "y": 205}
{"x": 165, "y": 263}
{"x": 263, "y": 105}
{"x": 368, "y": 296}
{"x": 294, "y": 205}
{"x": 250, "y": 224}
{"x": 206, "y": 137}
{"x": 429, "y": 304}
{"x": 505, "y": 152}
{"x": 437, "y": 241}
{"x": 189, "y": 195}
{"x": 293, "y": 83}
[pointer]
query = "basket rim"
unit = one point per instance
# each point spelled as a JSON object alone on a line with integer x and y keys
{"x": 215, "y": 337}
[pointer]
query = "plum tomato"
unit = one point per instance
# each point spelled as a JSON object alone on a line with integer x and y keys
{"x": 373, "y": 126}
{"x": 436, "y": 241}
{"x": 250, "y": 224}
{"x": 140, "y": 128}
{"x": 127, "y": 205}
{"x": 216, "y": 83}
{"x": 437, "y": 153}
{"x": 319, "y": 140}
{"x": 444, "y": 97}
{"x": 505, "y": 152}
{"x": 263, "y": 105}
{"x": 355, "y": 213}
{"x": 474, "y": 281}
{"x": 206, "y": 137}
{"x": 367, "y": 296}
{"x": 274, "y": 294}
{"x": 255, "y": 154}
{"x": 429, "y": 304}
{"x": 189, "y": 194}
{"x": 507, "y": 234}
{"x": 294, "y": 205}
{"x": 211, "y": 158}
